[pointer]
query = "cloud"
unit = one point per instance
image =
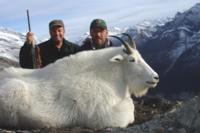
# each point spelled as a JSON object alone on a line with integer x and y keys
{"x": 77, "y": 15}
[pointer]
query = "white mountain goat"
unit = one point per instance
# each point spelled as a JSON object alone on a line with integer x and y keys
{"x": 90, "y": 89}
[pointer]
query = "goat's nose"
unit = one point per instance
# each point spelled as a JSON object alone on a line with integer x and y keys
{"x": 156, "y": 78}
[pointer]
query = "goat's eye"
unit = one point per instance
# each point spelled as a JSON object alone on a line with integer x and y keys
{"x": 117, "y": 59}
{"x": 132, "y": 60}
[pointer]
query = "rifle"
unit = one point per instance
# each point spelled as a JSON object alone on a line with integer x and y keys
{"x": 35, "y": 50}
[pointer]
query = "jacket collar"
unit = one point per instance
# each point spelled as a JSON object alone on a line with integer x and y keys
{"x": 95, "y": 46}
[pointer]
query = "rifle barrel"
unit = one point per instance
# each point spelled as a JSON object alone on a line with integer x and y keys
{"x": 29, "y": 25}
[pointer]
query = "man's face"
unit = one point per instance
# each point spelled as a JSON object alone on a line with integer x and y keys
{"x": 99, "y": 35}
{"x": 57, "y": 33}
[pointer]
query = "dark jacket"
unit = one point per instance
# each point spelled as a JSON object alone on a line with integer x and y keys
{"x": 89, "y": 45}
{"x": 48, "y": 52}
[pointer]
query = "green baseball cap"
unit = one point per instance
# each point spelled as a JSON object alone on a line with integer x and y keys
{"x": 98, "y": 23}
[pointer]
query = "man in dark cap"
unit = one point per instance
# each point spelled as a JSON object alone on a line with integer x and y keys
{"x": 49, "y": 51}
{"x": 99, "y": 36}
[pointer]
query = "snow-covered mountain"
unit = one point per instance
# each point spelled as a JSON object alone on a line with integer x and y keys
{"x": 167, "y": 51}
{"x": 175, "y": 36}
{"x": 138, "y": 32}
{"x": 10, "y": 43}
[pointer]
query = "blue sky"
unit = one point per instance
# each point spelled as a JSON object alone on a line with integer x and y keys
{"x": 77, "y": 14}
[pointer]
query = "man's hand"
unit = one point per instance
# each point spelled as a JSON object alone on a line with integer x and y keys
{"x": 30, "y": 38}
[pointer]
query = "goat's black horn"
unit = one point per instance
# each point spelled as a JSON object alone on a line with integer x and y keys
{"x": 128, "y": 48}
{"x": 132, "y": 42}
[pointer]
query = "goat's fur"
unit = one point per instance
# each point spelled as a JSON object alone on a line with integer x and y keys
{"x": 89, "y": 89}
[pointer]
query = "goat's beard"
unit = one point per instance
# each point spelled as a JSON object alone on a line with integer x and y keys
{"x": 138, "y": 90}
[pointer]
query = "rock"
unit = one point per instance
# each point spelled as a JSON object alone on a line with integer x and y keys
{"x": 182, "y": 130}
{"x": 159, "y": 130}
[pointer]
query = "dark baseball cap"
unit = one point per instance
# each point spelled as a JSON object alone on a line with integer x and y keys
{"x": 56, "y": 22}
{"x": 98, "y": 23}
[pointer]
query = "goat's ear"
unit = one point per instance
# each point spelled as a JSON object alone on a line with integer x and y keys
{"x": 117, "y": 58}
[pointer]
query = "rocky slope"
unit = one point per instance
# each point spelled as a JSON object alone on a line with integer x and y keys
{"x": 153, "y": 115}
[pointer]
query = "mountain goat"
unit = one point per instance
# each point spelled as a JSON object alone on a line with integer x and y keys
{"x": 90, "y": 89}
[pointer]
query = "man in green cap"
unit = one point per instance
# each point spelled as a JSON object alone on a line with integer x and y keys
{"x": 99, "y": 36}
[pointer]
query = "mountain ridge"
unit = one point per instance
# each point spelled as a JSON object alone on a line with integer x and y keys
{"x": 169, "y": 45}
